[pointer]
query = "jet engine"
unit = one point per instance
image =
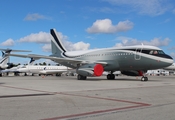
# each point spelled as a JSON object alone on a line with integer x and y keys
{"x": 132, "y": 73}
{"x": 7, "y": 66}
{"x": 10, "y": 65}
{"x": 3, "y": 67}
{"x": 90, "y": 70}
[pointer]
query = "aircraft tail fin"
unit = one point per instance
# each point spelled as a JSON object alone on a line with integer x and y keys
{"x": 4, "y": 61}
{"x": 57, "y": 47}
{"x": 31, "y": 62}
{"x": 5, "y": 57}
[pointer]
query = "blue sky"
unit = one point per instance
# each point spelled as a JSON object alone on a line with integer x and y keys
{"x": 25, "y": 25}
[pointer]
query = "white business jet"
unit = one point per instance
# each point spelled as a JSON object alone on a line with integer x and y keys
{"x": 171, "y": 67}
{"x": 45, "y": 70}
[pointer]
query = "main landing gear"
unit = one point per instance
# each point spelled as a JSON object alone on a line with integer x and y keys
{"x": 111, "y": 76}
{"x": 81, "y": 77}
{"x": 144, "y": 79}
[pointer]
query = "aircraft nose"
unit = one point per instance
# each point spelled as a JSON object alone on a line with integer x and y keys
{"x": 170, "y": 60}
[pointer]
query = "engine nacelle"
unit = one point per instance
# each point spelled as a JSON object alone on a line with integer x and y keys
{"x": 6, "y": 66}
{"x": 90, "y": 70}
{"x": 3, "y": 66}
{"x": 132, "y": 73}
{"x": 10, "y": 65}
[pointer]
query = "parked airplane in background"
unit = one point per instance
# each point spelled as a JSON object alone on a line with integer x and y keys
{"x": 15, "y": 69}
{"x": 171, "y": 67}
{"x": 5, "y": 59}
{"x": 130, "y": 60}
{"x": 35, "y": 69}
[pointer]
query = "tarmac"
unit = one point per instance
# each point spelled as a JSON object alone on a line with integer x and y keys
{"x": 66, "y": 98}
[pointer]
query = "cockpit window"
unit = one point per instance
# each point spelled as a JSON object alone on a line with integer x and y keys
{"x": 160, "y": 52}
{"x": 153, "y": 52}
{"x": 156, "y": 52}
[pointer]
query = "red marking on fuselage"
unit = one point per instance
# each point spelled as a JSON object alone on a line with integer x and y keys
{"x": 98, "y": 70}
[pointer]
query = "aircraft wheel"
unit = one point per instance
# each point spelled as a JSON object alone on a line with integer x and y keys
{"x": 58, "y": 74}
{"x": 81, "y": 77}
{"x": 0, "y": 74}
{"x": 110, "y": 76}
{"x": 144, "y": 79}
{"x": 84, "y": 77}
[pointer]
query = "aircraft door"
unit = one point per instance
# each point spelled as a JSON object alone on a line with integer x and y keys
{"x": 138, "y": 53}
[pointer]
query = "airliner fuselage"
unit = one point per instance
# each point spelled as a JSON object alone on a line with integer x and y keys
{"x": 130, "y": 60}
{"x": 139, "y": 57}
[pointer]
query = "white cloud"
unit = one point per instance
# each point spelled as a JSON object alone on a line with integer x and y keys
{"x": 75, "y": 46}
{"x": 105, "y": 26}
{"x": 41, "y": 37}
{"x": 9, "y": 42}
{"x": 34, "y": 17}
{"x": 69, "y": 46}
{"x": 79, "y": 46}
{"x": 46, "y": 48}
{"x": 148, "y": 7}
{"x": 126, "y": 41}
{"x": 45, "y": 38}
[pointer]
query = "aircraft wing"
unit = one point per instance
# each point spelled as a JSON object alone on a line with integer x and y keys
{"x": 45, "y": 57}
{"x": 59, "y": 60}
